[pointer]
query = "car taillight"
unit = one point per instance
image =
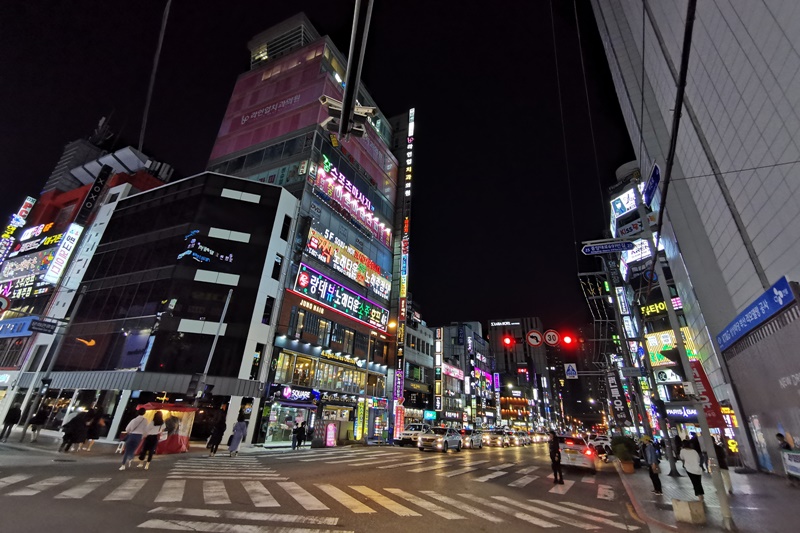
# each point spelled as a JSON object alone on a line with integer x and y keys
{"x": 587, "y": 452}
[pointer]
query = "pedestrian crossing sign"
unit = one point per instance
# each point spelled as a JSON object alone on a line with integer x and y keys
{"x": 570, "y": 370}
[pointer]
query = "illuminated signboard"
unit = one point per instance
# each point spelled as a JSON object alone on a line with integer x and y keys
{"x": 348, "y": 261}
{"x": 503, "y": 323}
{"x": 437, "y": 372}
{"x": 665, "y": 340}
{"x": 625, "y": 202}
{"x": 17, "y": 221}
{"x": 453, "y": 371}
{"x": 64, "y": 252}
{"x": 660, "y": 307}
{"x": 24, "y": 287}
{"x": 623, "y": 269}
{"x": 630, "y": 328}
{"x": 640, "y": 250}
{"x": 404, "y": 243}
{"x": 336, "y": 190}
{"x": 27, "y": 265}
{"x": 622, "y": 301}
{"x": 327, "y": 292}
{"x": 200, "y": 253}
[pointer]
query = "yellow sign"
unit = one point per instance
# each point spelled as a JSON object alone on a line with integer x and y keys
{"x": 661, "y": 341}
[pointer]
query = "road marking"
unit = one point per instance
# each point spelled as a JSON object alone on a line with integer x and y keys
{"x": 186, "y": 476}
{"x": 247, "y": 515}
{"x": 562, "y": 489}
{"x": 436, "y": 466}
{"x": 345, "y": 499}
{"x": 383, "y": 501}
{"x": 453, "y": 473}
{"x": 171, "y": 491}
{"x": 16, "y": 478}
{"x": 510, "y": 511}
{"x": 188, "y": 525}
{"x": 126, "y": 491}
{"x": 599, "y": 519}
{"x": 214, "y": 493}
{"x": 487, "y": 477}
{"x": 548, "y": 514}
{"x": 398, "y": 465}
{"x": 605, "y": 492}
{"x": 259, "y": 494}
{"x": 473, "y": 463}
{"x": 462, "y": 506}
{"x": 368, "y": 463}
{"x": 528, "y": 470}
{"x": 425, "y": 504}
{"x": 38, "y": 487}
{"x": 502, "y": 466}
{"x": 588, "y": 479}
{"x": 303, "y": 497}
{"x": 83, "y": 489}
{"x": 590, "y": 509}
{"x": 521, "y": 482}
{"x": 353, "y": 460}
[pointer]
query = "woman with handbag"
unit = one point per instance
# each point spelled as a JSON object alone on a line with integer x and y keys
{"x": 239, "y": 431}
{"x": 651, "y": 458}
{"x": 134, "y": 433}
{"x": 151, "y": 440}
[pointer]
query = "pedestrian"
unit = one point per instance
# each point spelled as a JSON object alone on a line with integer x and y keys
{"x": 216, "y": 435}
{"x": 239, "y": 431}
{"x": 722, "y": 462}
{"x": 782, "y": 444}
{"x": 12, "y": 418}
{"x": 677, "y": 444}
{"x": 691, "y": 462}
{"x": 134, "y": 433}
{"x": 96, "y": 424}
{"x": 696, "y": 446}
{"x": 652, "y": 460}
{"x": 295, "y": 435}
{"x": 555, "y": 459}
{"x": 37, "y": 423}
{"x": 301, "y": 435}
{"x": 151, "y": 439}
{"x": 74, "y": 431}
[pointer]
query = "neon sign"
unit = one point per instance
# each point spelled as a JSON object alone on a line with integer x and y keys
{"x": 64, "y": 252}
{"x": 329, "y": 293}
{"x": 665, "y": 340}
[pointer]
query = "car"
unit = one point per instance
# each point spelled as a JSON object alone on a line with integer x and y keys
{"x": 497, "y": 437}
{"x": 518, "y": 438}
{"x": 411, "y": 432}
{"x": 439, "y": 438}
{"x": 601, "y": 444}
{"x": 471, "y": 438}
{"x": 575, "y": 452}
{"x": 540, "y": 437}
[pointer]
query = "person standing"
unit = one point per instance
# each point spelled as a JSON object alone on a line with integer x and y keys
{"x": 135, "y": 431}
{"x": 301, "y": 434}
{"x": 295, "y": 435}
{"x": 12, "y": 418}
{"x": 216, "y": 435}
{"x": 722, "y": 462}
{"x": 151, "y": 439}
{"x": 652, "y": 460}
{"x": 74, "y": 431}
{"x": 691, "y": 462}
{"x": 239, "y": 431}
{"x": 96, "y": 424}
{"x": 555, "y": 459}
{"x": 37, "y": 423}
{"x": 703, "y": 456}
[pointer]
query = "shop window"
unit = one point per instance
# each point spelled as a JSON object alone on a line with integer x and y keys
{"x": 303, "y": 372}
{"x": 324, "y": 334}
{"x": 347, "y": 344}
{"x": 283, "y": 368}
{"x": 256, "y": 366}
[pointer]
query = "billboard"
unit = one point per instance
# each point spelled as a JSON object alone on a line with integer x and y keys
{"x": 61, "y": 259}
{"x": 662, "y": 341}
{"x": 26, "y": 265}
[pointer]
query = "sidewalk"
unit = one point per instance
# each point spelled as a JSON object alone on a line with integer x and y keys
{"x": 761, "y": 503}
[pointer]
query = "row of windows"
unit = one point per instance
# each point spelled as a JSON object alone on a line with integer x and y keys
{"x": 270, "y": 154}
{"x": 412, "y": 341}
{"x": 305, "y": 371}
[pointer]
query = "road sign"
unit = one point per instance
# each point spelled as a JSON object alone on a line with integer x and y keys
{"x": 630, "y": 372}
{"x": 40, "y": 326}
{"x": 570, "y": 370}
{"x": 608, "y": 247}
{"x": 534, "y": 338}
{"x": 652, "y": 185}
{"x": 551, "y": 337}
{"x": 4, "y": 303}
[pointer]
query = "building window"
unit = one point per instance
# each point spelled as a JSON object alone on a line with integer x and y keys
{"x": 267, "y": 316}
{"x": 257, "y": 355}
{"x": 287, "y": 224}
{"x": 276, "y": 268}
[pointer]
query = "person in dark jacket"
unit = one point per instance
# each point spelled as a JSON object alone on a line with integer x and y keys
{"x": 555, "y": 459}
{"x": 301, "y": 434}
{"x": 96, "y": 424}
{"x": 74, "y": 431}
{"x": 722, "y": 462}
{"x": 216, "y": 435}
{"x": 37, "y": 423}
{"x": 12, "y": 418}
{"x": 151, "y": 439}
{"x": 696, "y": 447}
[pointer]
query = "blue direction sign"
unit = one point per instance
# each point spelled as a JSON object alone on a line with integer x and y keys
{"x": 652, "y": 185}
{"x": 609, "y": 247}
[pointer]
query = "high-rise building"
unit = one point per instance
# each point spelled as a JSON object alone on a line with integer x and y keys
{"x": 731, "y": 221}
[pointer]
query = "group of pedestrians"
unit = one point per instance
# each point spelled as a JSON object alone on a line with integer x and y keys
{"x": 300, "y": 434}
{"x": 81, "y": 430}
{"x": 141, "y": 435}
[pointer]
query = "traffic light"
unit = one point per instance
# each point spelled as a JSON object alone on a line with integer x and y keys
{"x": 508, "y": 341}
{"x": 568, "y": 340}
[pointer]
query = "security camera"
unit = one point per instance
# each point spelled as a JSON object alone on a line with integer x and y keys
{"x": 366, "y": 111}
{"x": 330, "y": 102}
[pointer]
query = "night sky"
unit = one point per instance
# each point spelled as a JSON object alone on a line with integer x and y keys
{"x": 492, "y": 221}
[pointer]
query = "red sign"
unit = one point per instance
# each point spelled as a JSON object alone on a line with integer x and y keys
{"x": 706, "y": 396}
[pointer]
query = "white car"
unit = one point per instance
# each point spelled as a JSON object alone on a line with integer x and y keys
{"x": 601, "y": 443}
{"x": 440, "y": 439}
{"x": 471, "y": 438}
{"x": 575, "y": 452}
{"x": 411, "y": 433}
{"x": 540, "y": 437}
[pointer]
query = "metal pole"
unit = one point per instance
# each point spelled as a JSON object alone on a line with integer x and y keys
{"x": 201, "y": 385}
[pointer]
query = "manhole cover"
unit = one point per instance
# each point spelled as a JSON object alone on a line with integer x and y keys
{"x": 65, "y": 460}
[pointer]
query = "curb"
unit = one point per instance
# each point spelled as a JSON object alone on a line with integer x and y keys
{"x": 637, "y": 505}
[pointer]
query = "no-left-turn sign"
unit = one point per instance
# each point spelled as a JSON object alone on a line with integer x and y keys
{"x": 534, "y": 338}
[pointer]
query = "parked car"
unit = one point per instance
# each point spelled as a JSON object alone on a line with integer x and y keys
{"x": 497, "y": 437}
{"x": 471, "y": 438}
{"x": 575, "y": 452}
{"x": 411, "y": 433}
{"x": 601, "y": 444}
{"x": 439, "y": 438}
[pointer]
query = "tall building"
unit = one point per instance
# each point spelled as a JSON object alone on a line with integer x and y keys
{"x": 333, "y": 356}
{"x": 731, "y": 225}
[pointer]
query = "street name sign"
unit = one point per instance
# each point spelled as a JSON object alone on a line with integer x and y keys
{"x": 652, "y": 185}
{"x": 609, "y": 247}
{"x": 40, "y": 326}
{"x": 630, "y": 372}
{"x": 570, "y": 370}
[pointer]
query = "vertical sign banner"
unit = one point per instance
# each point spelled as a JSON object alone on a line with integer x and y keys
{"x": 706, "y": 396}
{"x": 619, "y": 406}
{"x": 60, "y": 261}
{"x": 437, "y": 384}
{"x": 93, "y": 196}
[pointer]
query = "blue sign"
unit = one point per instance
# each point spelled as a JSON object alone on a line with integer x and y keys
{"x": 16, "y": 327}
{"x": 594, "y": 249}
{"x": 652, "y": 185}
{"x": 762, "y": 309}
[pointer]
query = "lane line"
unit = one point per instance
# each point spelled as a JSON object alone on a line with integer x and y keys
{"x": 548, "y": 514}
{"x": 126, "y": 491}
{"x": 453, "y": 473}
{"x": 510, "y": 511}
{"x": 345, "y": 499}
{"x": 590, "y": 509}
{"x": 383, "y": 501}
{"x": 171, "y": 491}
{"x": 598, "y": 519}
{"x": 521, "y": 482}
{"x": 502, "y": 466}
{"x": 562, "y": 489}
{"x": 303, "y": 497}
{"x": 487, "y": 477}
{"x": 425, "y": 504}
{"x": 462, "y": 506}
{"x": 214, "y": 493}
{"x": 528, "y": 470}
{"x": 247, "y": 515}
{"x": 39, "y": 486}
{"x": 259, "y": 494}
{"x": 83, "y": 489}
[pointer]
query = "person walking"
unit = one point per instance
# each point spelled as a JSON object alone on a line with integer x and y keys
{"x": 216, "y": 435}
{"x": 134, "y": 433}
{"x": 691, "y": 462}
{"x": 74, "y": 431}
{"x": 96, "y": 425}
{"x": 703, "y": 456}
{"x": 722, "y": 462}
{"x": 151, "y": 439}
{"x": 239, "y": 431}
{"x": 652, "y": 460}
{"x": 12, "y": 419}
{"x": 37, "y": 423}
{"x": 555, "y": 459}
{"x": 301, "y": 434}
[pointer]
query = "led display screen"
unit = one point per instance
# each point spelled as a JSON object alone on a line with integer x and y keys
{"x": 26, "y": 265}
{"x": 329, "y": 293}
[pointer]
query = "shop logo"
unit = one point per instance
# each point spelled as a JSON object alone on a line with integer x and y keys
{"x": 291, "y": 394}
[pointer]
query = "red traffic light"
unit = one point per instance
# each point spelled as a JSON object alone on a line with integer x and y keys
{"x": 567, "y": 339}
{"x": 508, "y": 341}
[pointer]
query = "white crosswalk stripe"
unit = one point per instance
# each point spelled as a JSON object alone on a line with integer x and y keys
{"x": 11, "y": 480}
{"x": 383, "y": 501}
{"x": 590, "y": 509}
{"x": 598, "y": 519}
{"x": 38, "y": 487}
{"x": 247, "y": 515}
{"x": 467, "y": 508}
{"x": 510, "y": 511}
{"x": 425, "y": 504}
{"x": 259, "y": 495}
{"x": 524, "y": 480}
{"x": 487, "y": 477}
{"x": 605, "y": 492}
{"x": 562, "y": 489}
{"x": 213, "y": 527}
{"x": 83, "y": 489}
{"x": 214, "y": 493}
{"x": 502, "y": 466}
{"x": 345, "y": 499}
{"x": 126, "y": 491}
{"x": 453, "y": 473}
{"x": 547, "y": 514}
{"x": 588, "y": 479}
{"x": 171, "y": 491}
{"x": 303, "y": 497}
{"x": 435, "y": 466}
{"x": 528, "y": 470}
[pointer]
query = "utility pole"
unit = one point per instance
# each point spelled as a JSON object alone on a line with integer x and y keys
{"x": 202, "y": 383}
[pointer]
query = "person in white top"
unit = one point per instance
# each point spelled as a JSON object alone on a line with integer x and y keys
{"x": 691, "y": 462}
{"x": 135, "y": 431}
{"x": 151, "y": 440}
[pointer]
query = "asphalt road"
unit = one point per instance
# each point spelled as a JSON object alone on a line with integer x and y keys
{"x": 359, "y": 489}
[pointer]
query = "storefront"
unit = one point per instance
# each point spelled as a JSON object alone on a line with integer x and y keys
{"x": 291, "y": 406}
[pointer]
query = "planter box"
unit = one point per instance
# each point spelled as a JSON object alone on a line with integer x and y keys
{"x": 627, "y": 466}
{"x": 692, "y": 512}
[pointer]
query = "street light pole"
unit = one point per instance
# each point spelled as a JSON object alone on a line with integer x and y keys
{"x": 202, "y": 383}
